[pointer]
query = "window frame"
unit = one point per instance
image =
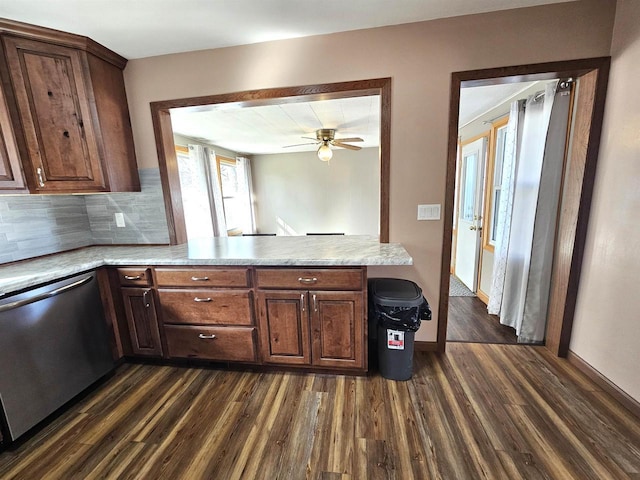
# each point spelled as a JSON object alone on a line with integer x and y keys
{"x": 489, "y": 188}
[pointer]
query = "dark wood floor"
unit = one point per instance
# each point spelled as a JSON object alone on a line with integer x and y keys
{"x": 468, "y": 321}
{"x": 477, "y": 412}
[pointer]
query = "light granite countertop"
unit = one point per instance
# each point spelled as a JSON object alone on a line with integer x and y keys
{"x": 258, "y": 251}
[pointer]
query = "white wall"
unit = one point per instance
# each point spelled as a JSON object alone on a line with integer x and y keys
{"x": 296, "y": 193}
{"x": 606, "y": 330}
{"x": 420, "y": 58}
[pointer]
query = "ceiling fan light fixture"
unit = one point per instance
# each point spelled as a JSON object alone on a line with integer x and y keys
{"x": 324, "y": 152}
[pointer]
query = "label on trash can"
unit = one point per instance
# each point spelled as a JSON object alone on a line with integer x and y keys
{"x": 395, "y": 340}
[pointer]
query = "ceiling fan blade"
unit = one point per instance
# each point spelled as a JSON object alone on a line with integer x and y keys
{"x": 311, "y": 138}
{"x": 345, "y": 145}
{"x": 300, "y": 144}
{"x": 353, "y": 139}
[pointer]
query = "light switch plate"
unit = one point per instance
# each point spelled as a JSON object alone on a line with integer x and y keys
{"x": 429, "y": 212}
{"x": 119, "y": 219}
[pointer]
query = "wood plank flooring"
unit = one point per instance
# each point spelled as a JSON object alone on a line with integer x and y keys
{"x": 477, "y": 412}
{"x": 468, "y": 321}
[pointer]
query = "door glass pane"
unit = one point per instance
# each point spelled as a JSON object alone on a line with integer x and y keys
{"x": 468, "y": 194}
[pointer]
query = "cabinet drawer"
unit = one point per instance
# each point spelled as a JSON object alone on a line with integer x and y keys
{"x": 202, "y": 306}
{"x": 212, "y": 343}
{"x": 320, "y": 278}
{"x": 134, "y": 276}
{"x": 202, "y": 277}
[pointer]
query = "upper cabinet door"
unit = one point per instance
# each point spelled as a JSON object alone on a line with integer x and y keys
{"x": 57, "y": 110}
{"x": 11, "y": 178}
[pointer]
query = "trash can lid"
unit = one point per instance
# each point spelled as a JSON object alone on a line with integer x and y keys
{"x": 395, "y": 292}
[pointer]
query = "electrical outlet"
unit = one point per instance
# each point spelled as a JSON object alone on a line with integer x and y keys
{"x": 119, "y": 219}
{"x": 429, "y": 212}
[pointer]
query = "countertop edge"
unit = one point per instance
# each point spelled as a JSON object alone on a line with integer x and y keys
{"x": 30, "y": 273}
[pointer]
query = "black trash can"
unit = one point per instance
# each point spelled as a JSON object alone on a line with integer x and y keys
{"x": 396, "y": 308}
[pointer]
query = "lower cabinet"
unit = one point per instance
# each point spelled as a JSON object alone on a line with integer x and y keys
{"x": 312, "y": 318}
{"x": 316, "y": 328}
{"x": 208, "y": 313}
{"x": 142, "y": 320}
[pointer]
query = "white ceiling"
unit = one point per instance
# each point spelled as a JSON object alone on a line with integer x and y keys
{"x": 476, "y": 101}
{"x": 268, "y": 129}
{"x": 143, "y": 28}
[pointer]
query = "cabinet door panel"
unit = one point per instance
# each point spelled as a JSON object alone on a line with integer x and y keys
{"x": 284, "y": 327}
{"x": 337, "y": 321}
{"x": 55, "y": 109}
{"x": 142, "y": 321}
{"x": 10, "y": 171}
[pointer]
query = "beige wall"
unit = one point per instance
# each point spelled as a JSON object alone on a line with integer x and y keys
{"x": 295, "y": 193}
{"x": 606, "y": 332}
{"x": 420, "y": 58}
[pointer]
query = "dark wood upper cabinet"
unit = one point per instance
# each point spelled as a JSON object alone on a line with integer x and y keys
{"x": 68, "y": 107}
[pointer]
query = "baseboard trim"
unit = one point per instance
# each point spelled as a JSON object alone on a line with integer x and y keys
{"x": 484, "y": 298}
{"x": 425, "y": 346}
{"x": 603, "y": 382}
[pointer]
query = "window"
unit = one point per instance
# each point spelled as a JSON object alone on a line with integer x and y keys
{"x": 494, "y": 179}
{"x": 233, "y": 211}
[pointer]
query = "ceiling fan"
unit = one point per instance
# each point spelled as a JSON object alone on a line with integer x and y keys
{"x": 326, "y": 137}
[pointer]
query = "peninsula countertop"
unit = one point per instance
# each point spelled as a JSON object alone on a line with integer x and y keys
{"x": 310, "y": 251}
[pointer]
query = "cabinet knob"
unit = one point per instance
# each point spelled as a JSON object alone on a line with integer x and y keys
{"x": 65, "y": 133}
{"x": 50, "y": 93}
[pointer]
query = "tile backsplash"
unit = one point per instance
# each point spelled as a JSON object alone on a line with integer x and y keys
{"x": 34, "y": 225}
{"x": 144, "y": 215}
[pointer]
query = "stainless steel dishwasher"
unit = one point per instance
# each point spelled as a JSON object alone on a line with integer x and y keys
{"x": 54, "y": 343}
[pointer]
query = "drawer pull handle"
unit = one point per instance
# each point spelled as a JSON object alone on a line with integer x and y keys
{"x": 129, "y": 277}
{"x": 199, "y": 279}
{"x": 206, "y": 337}
{"x": 308, "y": 281}
{"x": 198, "y": 299}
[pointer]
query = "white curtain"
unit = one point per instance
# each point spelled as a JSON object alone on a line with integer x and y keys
{"x": 195, "y": 193}
{"x": 513, "y": 138}
{"x": 201, "y": 194}
{"x": 523, "y": 219}
{"x": 245, "y": 195}
{"x": 544, "y": 231}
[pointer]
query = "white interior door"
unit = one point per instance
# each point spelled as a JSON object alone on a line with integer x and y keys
{"x": 468, "y": 239}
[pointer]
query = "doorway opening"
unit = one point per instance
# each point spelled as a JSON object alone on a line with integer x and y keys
{"x": 512, "y": 142}
{"x": 469, "y": 168}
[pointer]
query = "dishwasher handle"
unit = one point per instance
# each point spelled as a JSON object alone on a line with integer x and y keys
{"x": 65, "y": 288}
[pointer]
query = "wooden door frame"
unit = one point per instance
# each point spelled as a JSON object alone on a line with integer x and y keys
{"x": 578, "y": 189}
{"x": 168, "y": 164}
